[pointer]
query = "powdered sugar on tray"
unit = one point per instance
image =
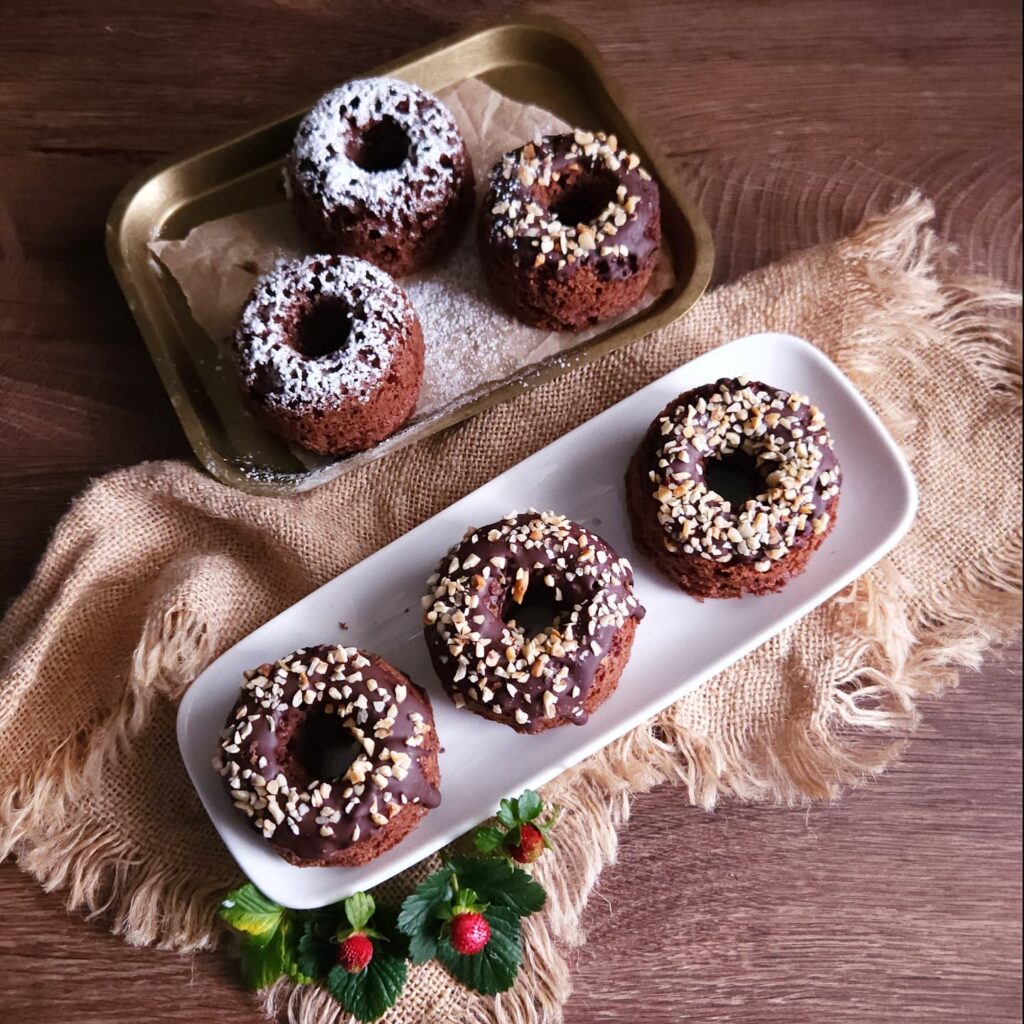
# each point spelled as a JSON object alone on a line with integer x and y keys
{"x": 452, "y": 302}
{"x": 471, "y": 344}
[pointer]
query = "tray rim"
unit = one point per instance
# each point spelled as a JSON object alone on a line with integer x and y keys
{"x": 873, "y": 555}
{"x": 121, "y": 261}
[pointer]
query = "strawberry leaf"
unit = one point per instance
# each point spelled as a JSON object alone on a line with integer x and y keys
{"x": 291, "y": 933}
{"x": 498, "y": 883}
{"x": 389, "y": 933}
{"x": 422, "y": 947}
{"x": 373, "y": 991}
{"x": 248, "y": 911}
{"x": 467, "y": 900}
{"x": 528, "y": 806}
{"x": 263, "y": 964}
{"x": 359, "y": 909}
{"x": 316, "y": 954}
{"x": 487, "y": 840}
{"x": 494, "y": 968}
{"x": 546, "y": 826}
{"x": 507, "y": 813}
{"x": 418, "y": 919}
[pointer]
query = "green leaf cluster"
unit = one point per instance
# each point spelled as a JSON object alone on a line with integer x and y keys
{"x": 303, "y": 944}
{"x": 267, "y": 937}
{"x": 512, "y": 816}
{"x": 502, "y": 893}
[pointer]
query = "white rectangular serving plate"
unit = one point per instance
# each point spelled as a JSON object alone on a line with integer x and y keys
{"x": 680, "y": 643}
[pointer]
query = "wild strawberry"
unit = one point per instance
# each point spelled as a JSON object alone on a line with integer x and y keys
{"x": 470, "y": 932}
{"x": 530, "y": 845}
{"x": 522, "y": 831}
{"x": 355, "y": 952}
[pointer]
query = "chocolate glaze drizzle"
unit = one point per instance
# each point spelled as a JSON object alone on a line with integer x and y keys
{"x": 788, "y": 439}
{"x": 486, "y": 660}
{"x": 269, "y": 778}
{"x": 529, "y": 209}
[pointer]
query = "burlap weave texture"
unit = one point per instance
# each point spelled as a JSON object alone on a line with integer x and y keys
{"x": 157, "y": 568}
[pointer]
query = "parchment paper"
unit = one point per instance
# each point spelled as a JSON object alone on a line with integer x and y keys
{"x": 469, "y": 341}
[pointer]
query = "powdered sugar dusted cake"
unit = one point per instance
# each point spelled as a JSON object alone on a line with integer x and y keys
{"x": 330, "y": 352}
{"x": 379, "y": 170}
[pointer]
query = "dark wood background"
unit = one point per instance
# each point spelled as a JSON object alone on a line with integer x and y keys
{"x": 790, "y": 120}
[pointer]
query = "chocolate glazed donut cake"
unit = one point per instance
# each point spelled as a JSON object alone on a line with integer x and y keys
{"x": 530, "y": 621}
{"x": 330, "y": 352}
{"x": 379, "y": 170}
{"x": 331, "y": 755}
{"x": 733, "y": 488}
{"x": 569, "y": 230}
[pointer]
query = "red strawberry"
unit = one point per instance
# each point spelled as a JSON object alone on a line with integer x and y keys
{"x": 470, "y": 932}
{"x": 529, "y": 847}
{"x": 355, "y": 952}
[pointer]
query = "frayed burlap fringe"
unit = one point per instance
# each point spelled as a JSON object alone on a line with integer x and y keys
{"x": 838, "y": 716}
{"x": 92, "y": 860}
{"x": 872, "y": 697}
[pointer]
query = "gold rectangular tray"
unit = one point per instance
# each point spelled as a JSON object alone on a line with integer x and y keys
{"x": 538, "y": 60}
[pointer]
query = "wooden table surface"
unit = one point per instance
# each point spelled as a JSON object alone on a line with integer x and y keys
{"x": 789, "y": 120}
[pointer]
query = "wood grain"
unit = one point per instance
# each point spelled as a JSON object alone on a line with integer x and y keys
{"x": 789, "y": 120}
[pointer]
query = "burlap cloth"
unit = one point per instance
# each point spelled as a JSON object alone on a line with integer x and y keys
{"x": 156, "y": 569}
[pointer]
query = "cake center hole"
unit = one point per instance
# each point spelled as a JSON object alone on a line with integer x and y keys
{"x": 538, "y": 611}
{"x": 325, "y": 329}
{"x": 737, "y": 478}
{"x": 323, "y": 747}
{"x": 582, "y": 197}
{"x": 382, "y": 147}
